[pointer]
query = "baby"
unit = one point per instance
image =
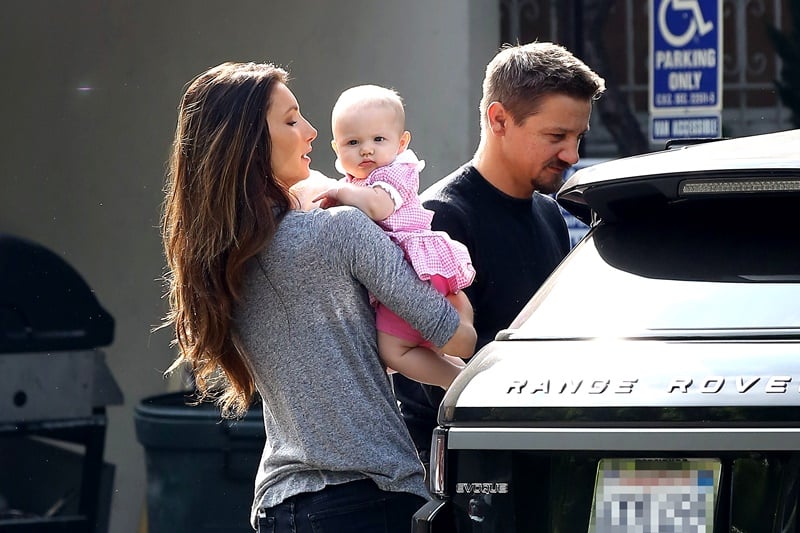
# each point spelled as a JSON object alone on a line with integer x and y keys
{"x": 382, "y": 180}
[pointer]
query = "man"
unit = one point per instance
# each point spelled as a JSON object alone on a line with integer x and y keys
{"x": 535, "y": 109}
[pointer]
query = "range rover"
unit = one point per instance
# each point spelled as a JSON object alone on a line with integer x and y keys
{"x": 653, "y": 382}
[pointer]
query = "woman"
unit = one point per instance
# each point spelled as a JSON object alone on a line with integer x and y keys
{"x": 267, "y": 298}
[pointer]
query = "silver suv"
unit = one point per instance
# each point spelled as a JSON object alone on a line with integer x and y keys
{"x": 653, "y": 382}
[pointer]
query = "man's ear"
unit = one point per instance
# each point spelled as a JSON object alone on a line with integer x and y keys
{"x": 497, "y": 117}
{"x": 333, "y": 145}
{"x": 405, "y": 139}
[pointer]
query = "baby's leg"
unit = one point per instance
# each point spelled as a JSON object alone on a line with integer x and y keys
{"x": 417, "y": 362}
{"x": 441, "y": 284}
{"x": 460, "y": 363}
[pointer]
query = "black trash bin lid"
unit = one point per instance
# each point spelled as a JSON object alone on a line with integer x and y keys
{"x": 174, "y": 421}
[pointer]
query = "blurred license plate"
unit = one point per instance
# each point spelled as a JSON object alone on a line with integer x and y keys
{"x": 655, "y": 495}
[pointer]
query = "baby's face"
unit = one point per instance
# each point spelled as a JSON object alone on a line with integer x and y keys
{"x": 366, "y": 138}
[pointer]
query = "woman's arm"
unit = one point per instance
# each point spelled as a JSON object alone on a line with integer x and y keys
{"x": 378, "y": 264}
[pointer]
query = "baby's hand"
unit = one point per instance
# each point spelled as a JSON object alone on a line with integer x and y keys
{"x": 328, "y": 198}
{"x": 307, "y": 190}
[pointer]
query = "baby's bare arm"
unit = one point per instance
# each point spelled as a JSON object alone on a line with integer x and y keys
{"x": 375, "y": 202}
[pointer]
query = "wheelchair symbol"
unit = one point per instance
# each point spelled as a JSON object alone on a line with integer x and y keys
{"x": 696, "y": 24}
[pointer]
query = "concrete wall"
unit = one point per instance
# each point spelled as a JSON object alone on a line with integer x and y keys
{"x": 88, "y": 97}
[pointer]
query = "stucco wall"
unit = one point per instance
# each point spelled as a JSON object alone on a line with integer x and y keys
{"x": 88, "y": 97}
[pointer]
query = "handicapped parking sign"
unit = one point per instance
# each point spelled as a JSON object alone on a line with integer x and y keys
{"x": 685, "y": 60}
{"x": 693, "y": 24}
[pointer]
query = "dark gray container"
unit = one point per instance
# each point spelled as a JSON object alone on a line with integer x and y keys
{"x": 200, "y": 468}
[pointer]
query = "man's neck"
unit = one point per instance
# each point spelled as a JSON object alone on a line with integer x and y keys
{"x": 491, "y": 167}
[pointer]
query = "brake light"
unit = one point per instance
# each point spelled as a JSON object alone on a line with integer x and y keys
{"x": 739, "y": 186}
{"x": 438, "y": 458}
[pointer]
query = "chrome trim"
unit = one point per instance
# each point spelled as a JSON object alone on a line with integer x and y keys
{"x": 438, "y": 457}
{"x": 625, "y": 439}
{"x": 432, "y": 516}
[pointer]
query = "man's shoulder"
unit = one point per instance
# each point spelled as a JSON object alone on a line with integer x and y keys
{"x": 451, "y": 189}
{"x": 544, "y": 200}
{"x": 547, "y": 206}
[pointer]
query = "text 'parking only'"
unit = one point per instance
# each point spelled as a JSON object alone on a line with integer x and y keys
{"x": 685, "y": 68}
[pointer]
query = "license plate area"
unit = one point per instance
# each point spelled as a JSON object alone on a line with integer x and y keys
{"x": 645, "y": 495}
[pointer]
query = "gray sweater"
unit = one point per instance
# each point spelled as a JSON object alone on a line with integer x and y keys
{"x": 309, "y": 331}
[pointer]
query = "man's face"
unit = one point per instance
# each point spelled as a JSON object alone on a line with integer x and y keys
{"x": 538, "y": 151}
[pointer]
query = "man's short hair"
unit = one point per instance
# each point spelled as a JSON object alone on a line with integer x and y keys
{"x": 519, "y": 76}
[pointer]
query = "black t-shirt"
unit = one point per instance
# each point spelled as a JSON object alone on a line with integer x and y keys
{"x": 515, "y": 244}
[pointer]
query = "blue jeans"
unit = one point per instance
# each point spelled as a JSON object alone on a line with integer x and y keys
{"x": 356, "y": 506}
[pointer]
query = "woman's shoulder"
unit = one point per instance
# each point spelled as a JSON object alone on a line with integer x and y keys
{"x": 324, "y": 233}
{"x": 344, "y": 214}
{"x": 339, "y": 233}
{"x": 343, "y": 220}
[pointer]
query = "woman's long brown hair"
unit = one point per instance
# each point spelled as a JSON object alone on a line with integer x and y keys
{"x": 222, "y": 207}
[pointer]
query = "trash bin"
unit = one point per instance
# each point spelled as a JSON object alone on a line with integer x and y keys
{"x": 200, "y": 468}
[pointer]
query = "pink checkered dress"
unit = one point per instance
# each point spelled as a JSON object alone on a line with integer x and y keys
{"x": 429, "y": 252}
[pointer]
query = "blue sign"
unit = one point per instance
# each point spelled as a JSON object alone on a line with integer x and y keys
{"x": 686, "y": 126}
{"x": 686, "y": 57}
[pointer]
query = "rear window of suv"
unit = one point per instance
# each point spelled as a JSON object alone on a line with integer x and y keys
{"x": 699, "y": 272}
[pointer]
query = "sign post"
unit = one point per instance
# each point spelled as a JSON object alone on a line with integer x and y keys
{"x": 685, "y": 97}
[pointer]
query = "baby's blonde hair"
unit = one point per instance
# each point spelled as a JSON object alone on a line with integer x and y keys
{"x": 362, "y": 96}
